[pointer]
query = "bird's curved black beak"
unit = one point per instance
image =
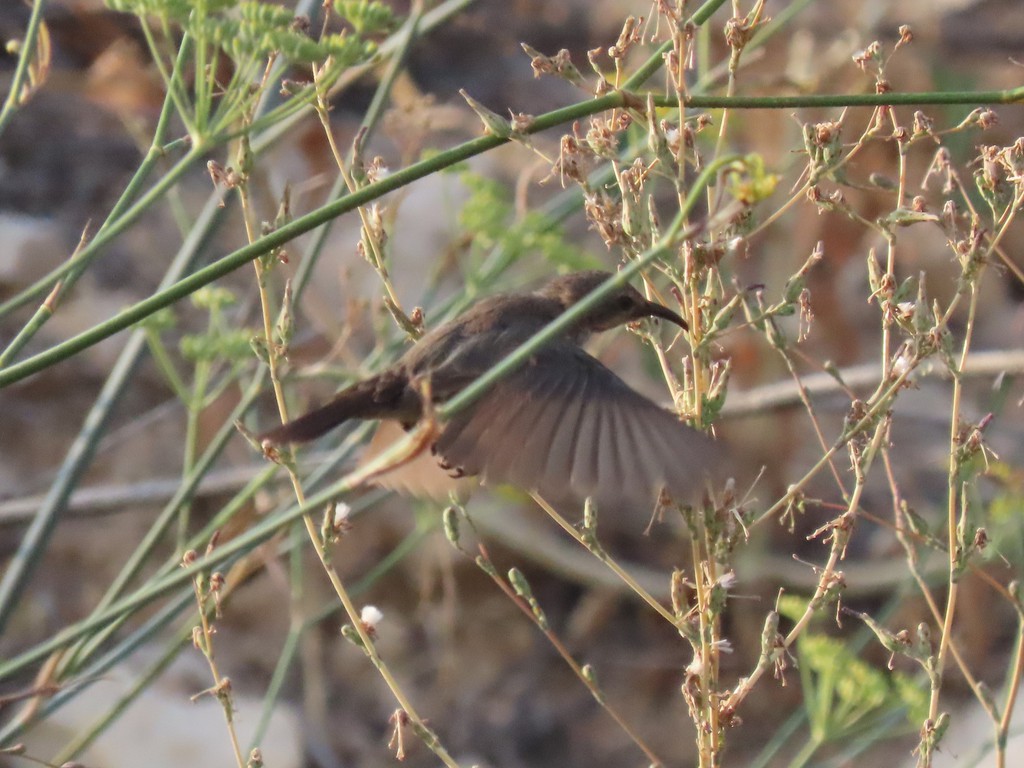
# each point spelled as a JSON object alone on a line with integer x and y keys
{"x": 654, "y": 309}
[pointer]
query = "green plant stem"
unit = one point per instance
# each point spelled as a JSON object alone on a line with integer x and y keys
{"x": 163, "y": 362}
{"x": 401, "y": 550}
{"x": 71, "y": 270}
{"x": 221, "y": 555}
{"x": 280, "y": 121}
{"x": 88, "y": 735}
{"x": 279, "y": 237}
{"x": 106, "y": 234}
{"x": 656, "y": 61}
{"x": 956, "y": 489}
{"x": 880, "y": 400}
{"x": 956, "y": 492}
{"x": 909, "y": 98}
{"x": 80, "y": 455}
{"x": 806, "y": 752}
{"x": 202, "y": 537}
{"x": 673, "y": 234}
{"x": 181, "y": 497}
{"x": 1015, "y": 672}
{"x": 588, "y": 681}
{"x": 28, "y": 47}
{"x": 42, "y": 314}
{"x": 194, "y": 406}
{"x": 213, "y": 451}
{"x": 442, "y": 160}
{"x": 612, "y": 565}
{"x": 345, "y": 597}
{"x": 407, "y": 35}
{"x": 158, "y": 150}
{"x": 97, "y": 640}
{"x": 173, "y": 81}
{"x": 369, "y": 123}
{"x": 95, "y": 672}
{"x": 269, "y": 129}
{"x": 777, "y": 23}
{"x": 31, "y": 547}
{"x": 189, "y": 483}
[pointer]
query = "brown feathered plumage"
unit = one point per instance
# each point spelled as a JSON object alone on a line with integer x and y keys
{"x": 563, "y": 424}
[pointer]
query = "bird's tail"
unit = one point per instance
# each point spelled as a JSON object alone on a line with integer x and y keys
{"x": 358, "y": 401}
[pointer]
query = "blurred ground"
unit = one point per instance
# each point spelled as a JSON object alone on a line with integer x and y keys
{"x": 492, "y": 686}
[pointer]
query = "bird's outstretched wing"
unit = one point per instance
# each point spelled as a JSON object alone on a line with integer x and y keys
{"x": 566, "y": 423}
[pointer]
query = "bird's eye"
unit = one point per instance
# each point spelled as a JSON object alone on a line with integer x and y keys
{"x": 625, "y": 302}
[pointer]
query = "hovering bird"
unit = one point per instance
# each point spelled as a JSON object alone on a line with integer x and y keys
{"x": 562, "y": 425}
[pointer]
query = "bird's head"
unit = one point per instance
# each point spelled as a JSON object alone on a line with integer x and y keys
{"x": 623, "y": 305}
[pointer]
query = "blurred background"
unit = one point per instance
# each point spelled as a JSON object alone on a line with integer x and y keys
{"x": 489, "y": 682}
